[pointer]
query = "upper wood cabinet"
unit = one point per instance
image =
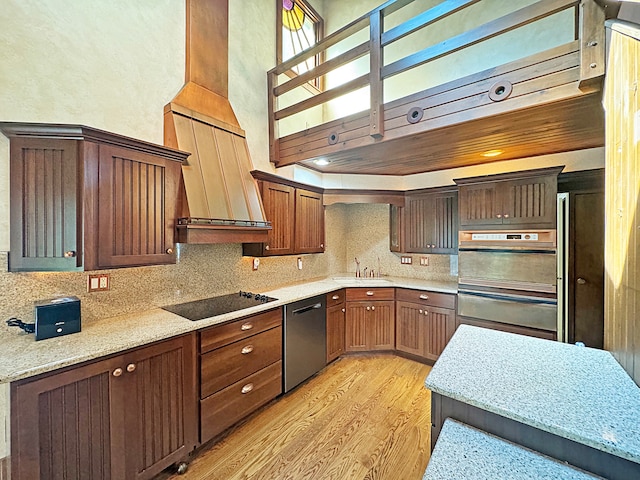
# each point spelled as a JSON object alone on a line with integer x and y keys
{"x": 297, "y": 219}
{"x": 125, "y": 417}
{"x": 518, "y": 199}
{"x": 396, "y": 226}
{"x": 86, "y": 199}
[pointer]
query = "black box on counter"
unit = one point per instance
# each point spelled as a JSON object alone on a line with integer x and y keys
{"x": 56, "y": 317}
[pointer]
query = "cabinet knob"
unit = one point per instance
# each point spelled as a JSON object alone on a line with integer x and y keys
{"x": 424, "y": 297}
{"x": 368, "y": 309}
{"x": 69, "y": 254}
{"x": 344, "y": 310}
{"x": 117, "y": 372}
{"x": 581, "y": 281}
{"x": 131, "y": 367}
{"x": 169, "y": 251}
{"x": 247, "y": 388}
{"x": 247, "y": 349}
{"x": 335, "y": 297}
{"x": 506, "y": 215}
{"x": 266, "y": 247}
{"x": 498, "y": 216}
{"x": 369, "y": 293}
{"x": 420, "y": 311}
{"x": 372, "y": 307}
{"x": 322, "y": 245}
{"x": 246, "y": 326}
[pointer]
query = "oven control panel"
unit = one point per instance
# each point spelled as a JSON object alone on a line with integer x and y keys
{"x": 527, "y": 237}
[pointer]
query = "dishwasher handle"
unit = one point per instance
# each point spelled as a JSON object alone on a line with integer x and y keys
{"x": 307, "y": 308}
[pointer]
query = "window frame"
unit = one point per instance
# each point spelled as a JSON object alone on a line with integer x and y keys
{"x": 316, "y": 85}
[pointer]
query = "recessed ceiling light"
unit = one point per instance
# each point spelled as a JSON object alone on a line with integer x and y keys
{"x": 323, "y": 162}
{"x": 492, "y": 153}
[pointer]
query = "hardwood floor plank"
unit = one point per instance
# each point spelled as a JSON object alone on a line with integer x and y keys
{"x": 363, "y": 417}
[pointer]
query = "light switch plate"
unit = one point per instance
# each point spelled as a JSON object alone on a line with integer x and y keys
{"x": 424, "y": 261}
{"x": 98, "y": 282}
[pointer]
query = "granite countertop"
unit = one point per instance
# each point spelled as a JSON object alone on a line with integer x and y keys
{"x": 578, "y": 393}
{"x": 23, "y": 357}
{"x": 463, "y": 452}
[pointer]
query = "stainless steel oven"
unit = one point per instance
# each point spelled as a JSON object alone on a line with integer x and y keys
{"x": 509, "y": 277}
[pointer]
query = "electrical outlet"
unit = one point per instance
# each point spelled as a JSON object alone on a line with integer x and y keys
{"x": 406, "y": 260}
{"x": 98, "y": 283}
{"x": 424, "y": 261}
{"x": 299, "y": 263}
{"x": 256, "y": 263}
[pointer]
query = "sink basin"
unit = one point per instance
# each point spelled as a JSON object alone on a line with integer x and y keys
{"x": 353, "y": 281}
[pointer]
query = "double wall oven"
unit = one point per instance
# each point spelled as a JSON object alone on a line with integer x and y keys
{"x": 509, "y": 277}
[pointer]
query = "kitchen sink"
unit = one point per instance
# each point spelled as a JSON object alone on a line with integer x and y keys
{"x": 358, "y": 282}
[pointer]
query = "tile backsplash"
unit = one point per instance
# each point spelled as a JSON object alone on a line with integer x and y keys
{"x": 207, "y": 270}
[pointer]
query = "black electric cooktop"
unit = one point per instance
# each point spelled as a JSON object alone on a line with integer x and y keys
{"x": 210, "y": 307}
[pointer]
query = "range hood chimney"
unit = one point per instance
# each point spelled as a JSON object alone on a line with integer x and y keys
{"x": 220, "y": 198}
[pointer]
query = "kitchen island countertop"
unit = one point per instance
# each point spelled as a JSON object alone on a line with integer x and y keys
{"x": 578, "y": 393}
{"x": 23, "y": 357}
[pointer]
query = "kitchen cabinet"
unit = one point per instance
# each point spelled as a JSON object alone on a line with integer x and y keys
{"x": 124, "y": 417}
{"x": 297, "y": 219}
{"x": 519, "y": 199}
{"x": 396, "y": 228}
{"x": 84, "y": 199}
{"x": 431, "y": 221}
{"x": 370, "y": 319}
{"x": 336, "y": 313}
{"x": 425, "y": 322}
{"x": 240, "y": 370}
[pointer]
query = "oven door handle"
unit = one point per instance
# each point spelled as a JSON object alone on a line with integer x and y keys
{"x": 509, "y": 298}
{"x": 307, "y": 308}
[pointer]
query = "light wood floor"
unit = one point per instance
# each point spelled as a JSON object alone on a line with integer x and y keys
{"x": 363, "y": 417}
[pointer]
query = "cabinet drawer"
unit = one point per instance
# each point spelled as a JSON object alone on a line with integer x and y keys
{"x": 221, "y": 335}
{"x": 434, "y": 299}
{"x": 335, "y": 298}
{"x": 226, "y": 365}
{"x": 221, "y": 410}
{"x": 359, "y": 294}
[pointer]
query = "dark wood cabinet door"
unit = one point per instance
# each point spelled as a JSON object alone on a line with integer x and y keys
{"x": 64, "y": 425}
{"x": 279, "y": 208}
{"x": 381, "y": 325}
{"x": 160, "y": 406}
{"x": 136, "y": 208}
{"x": 480, "y": 204}
{"x": 410, "y": 327}
{"x": 46, "y": 227}
{"x": 396, "y": 228}
{"x": 309, "y": 223}
{"x": 530, "y": 201}
{"x": 440, "y": 327}
{"x": 335, "y": 331}
{"x": 419, "y": 223}
{"x": 356, "y": 338}
{"x": 444, "y": 238}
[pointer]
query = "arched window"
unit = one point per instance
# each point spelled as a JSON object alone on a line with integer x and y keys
{"x": 298, "y": 27}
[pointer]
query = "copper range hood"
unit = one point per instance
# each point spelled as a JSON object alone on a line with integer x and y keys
{"x": 220, "y": 201}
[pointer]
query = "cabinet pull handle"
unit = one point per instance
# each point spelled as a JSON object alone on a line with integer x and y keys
{"x": 335, "y": 297}
{"x": 246, "y": 326}
{"x": 266, "y": 247}
{"x": 69, "y": 254}
{"x": 117, "y": 372}
{"x": 247, "y": 349}
{"x": 247, "y": 388}
{"x": 169, "y": 250}
{"x": 131, "y": 367}
{"x": 424, "y": 297}
{"x": 369, "y": 293}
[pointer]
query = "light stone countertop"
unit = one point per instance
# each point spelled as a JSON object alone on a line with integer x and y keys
{"x": 577, "y": 393}
{"x": 466, "y": 453}
{"x": 21, "y": 356}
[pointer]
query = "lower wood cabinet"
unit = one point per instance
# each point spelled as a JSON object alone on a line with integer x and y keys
{"x": 336, "y": 313}
{"x": 240, "y": 370}
{"x": 425, "y": 322}
{"x": 125, "y": 417}
{"x": 369, "y": 324}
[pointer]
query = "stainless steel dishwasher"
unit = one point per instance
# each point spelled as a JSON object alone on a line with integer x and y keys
{"x": 305, "y": 340}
